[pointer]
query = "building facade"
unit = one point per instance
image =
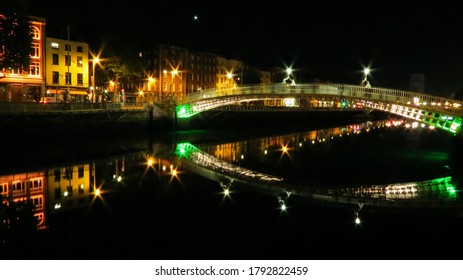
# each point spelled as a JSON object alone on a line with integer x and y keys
{"x": 228, "y": 72}
{"x": 67, "y": 69}
{"x": 172, "y": 72}
{"x": 26, "y": 86}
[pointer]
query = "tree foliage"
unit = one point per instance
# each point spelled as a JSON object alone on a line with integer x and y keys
{"x": 15, "y": 40}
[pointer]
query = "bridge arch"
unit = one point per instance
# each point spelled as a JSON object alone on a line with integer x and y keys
{"x": 443, "y": 113}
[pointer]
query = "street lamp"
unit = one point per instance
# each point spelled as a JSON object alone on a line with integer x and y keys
{"x": 229, "y": 79}
{"x": 289, "y": 73}
{"x": 365, "y": 81}
{"x": 95, "y": 61}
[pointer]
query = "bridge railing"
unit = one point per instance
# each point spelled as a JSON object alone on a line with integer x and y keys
{"x": 386, "y": 95}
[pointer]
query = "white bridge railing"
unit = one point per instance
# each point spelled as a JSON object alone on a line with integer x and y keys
{"x": 386, "y": 95}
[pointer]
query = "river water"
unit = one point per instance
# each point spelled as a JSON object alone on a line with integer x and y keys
{"x": 233, "y": 194}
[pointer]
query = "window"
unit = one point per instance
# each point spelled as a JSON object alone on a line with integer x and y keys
{"x": 67, "y": 60}
{"x": 55, "y": 59}
{"x": 57, "y": 172}
{"x": 79, "y": 49}
{"x": 69, "y": 190}
{"x": 68, "y": 173}
{"x": 35, "y": 50}
{"x": 80, "y": 79}
{"x": 4, "y": 189}
{"x": 67, "y": 47}
{"x": 54, "y": 45}
{"x": 35, "y": 33}
{"x": 80, "y": 172}
{"x": 18, "y": 186}
{"x": 34, "y": 68}
{"x": 80, "y": 61}
{"x": 55, "y": 77}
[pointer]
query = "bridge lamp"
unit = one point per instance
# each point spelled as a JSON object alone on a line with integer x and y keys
{"x": 365, "y": 81}
{"x": 289, "y": 71}
{"x": 366, "y": 71}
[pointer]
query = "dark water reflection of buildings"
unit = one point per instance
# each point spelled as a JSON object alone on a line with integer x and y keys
{"x": 71, "y": 186}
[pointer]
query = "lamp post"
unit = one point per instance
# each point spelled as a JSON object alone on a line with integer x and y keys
{"x": 365, "y": 81}
{"x": 289, "y": 78}
{"x": 95, "y": 61}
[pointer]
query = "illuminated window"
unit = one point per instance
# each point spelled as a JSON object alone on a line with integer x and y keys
{"x": 4, "y": 189}
{"x": 18, "y": 186}
{"x": 35, "y": 33}
{"x": 36, "y": 184}
{"x": 54, "y": 45}
{"x": 35, "y": 50}
{"x": 34, "y": 68}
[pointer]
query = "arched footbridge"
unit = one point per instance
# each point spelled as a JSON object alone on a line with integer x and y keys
{"x": 443, "y": 113}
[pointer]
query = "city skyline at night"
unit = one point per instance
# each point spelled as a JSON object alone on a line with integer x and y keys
{"x": 329, "y": 41}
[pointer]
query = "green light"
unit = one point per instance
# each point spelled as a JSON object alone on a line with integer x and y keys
{"x": 184, "y": 111}
{"x": 185, "y": 149}
{"x": 344, "y": 104}
{"x": 445, "y": 186}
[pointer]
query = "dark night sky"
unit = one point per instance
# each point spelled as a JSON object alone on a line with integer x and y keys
{"x": 329, "y": 40}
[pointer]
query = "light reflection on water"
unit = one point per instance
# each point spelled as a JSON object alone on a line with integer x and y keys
{"x": 314, "y": 165}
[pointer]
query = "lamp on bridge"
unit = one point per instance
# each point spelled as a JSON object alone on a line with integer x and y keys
{"x": 365, "y": 81}
{"x": 289, "y": 78}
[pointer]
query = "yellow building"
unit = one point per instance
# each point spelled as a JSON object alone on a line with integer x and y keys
{"x": 227, "y": 70}
{"x": 67, "y": 69}
{"x": 69, "y": 187}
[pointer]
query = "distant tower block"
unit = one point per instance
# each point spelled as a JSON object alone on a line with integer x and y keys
{"x": 417, "y": 83}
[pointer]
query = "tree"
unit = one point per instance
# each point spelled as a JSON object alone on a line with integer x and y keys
{"x": 121, "y": 70}
{"x": 15, "y": 41}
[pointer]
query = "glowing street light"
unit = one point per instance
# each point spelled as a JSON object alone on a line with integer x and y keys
{"x": 289, "y": 73}
{"x": 365, "y": 81}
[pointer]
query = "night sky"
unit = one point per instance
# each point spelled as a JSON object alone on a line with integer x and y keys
{"x": 327, "y": 40}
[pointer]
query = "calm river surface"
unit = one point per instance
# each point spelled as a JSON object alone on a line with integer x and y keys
{"x": 241, "y": 195}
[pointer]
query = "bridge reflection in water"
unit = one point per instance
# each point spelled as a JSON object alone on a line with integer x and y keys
{"x": 74, "y": 185}
{"x": 438, "y": 193}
